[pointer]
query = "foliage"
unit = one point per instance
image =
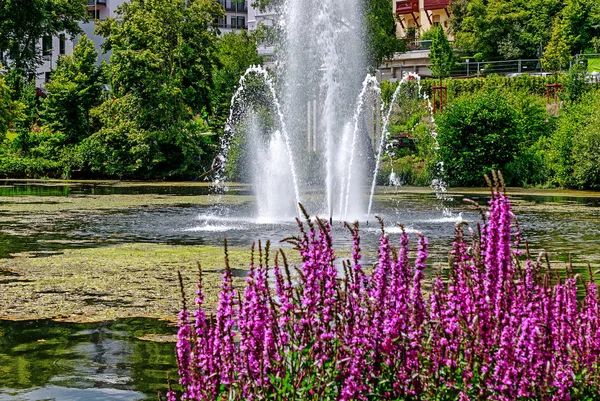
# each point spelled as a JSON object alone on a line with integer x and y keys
{"x": 381, "y": 32}
{"x": 23, "y": 23}
{"x": 557, "y": 53}
{"x": 161, "y": 74}
{"x": 499, "y": 29}
{"x": 575, "y": 83}
{"x": 235, "y": 52}
{"x": 582, "y": 20}
{"x": 573, "y": 149}
{"x": 6, "y": 108}
{"x": 525, "y": 84}
{"x": 162, "y": 53}
{"x": 76, "y": 86}
{"x": 486, "y": 131}
{"x": 441, "y": 54}
{"x": 498, "y": 326}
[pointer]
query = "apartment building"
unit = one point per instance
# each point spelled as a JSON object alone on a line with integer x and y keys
{"x": 420, "y": 15}
{"x": 236, "y": 15}
{"x": 236, "y": 18}
{"x": 52, "y": 49}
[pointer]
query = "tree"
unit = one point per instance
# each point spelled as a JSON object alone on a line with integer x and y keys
{"x": 441, "y": 54}
{"x": 557, "y": 54}
{"x": 76, "y": 86}
{"x": 163, "y": 53}
{"x": 161, "y": 68}
{"x": 581, "y": 23}
{"x": 235, "y": 52}
{"x": 24, "y": 22}
{"x": 6, "y": 108}
{"x": 381, "y": 32}
{"x": 500, "y": 29}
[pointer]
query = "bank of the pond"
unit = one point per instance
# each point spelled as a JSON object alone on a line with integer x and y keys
{"x": 107, "y": 283}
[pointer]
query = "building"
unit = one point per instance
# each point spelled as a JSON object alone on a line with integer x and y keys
{"x": 52, "y": 49}
{"x": 236, "y": 18}
{"x": 417, "y": 16}
{"x": 236, "y": 15}
{"x": 256, "y": 18}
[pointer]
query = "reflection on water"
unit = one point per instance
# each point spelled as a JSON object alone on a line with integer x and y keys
{"x": 46, "y": 360}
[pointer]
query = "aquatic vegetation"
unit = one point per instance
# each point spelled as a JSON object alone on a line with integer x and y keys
{"x": 496, "y": 324}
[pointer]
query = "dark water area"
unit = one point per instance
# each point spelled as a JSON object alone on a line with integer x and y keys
{"x": 45, "y": 360}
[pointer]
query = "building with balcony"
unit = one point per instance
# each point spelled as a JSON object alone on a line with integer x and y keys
{"x": 417, "y": 16}
{"x": 236, "y": 15}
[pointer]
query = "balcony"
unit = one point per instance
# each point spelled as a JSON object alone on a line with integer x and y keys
{"x": 96, "y": 3}
{"x": 407, "y": 7}
{"x": 429, "y": 5}
{"x": 234, "y": 5}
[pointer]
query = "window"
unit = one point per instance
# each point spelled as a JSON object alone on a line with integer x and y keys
{"x": 436, "y": 20}
{"x": 47, "y": 77}
{"x": 94, "y": 14}
{"x": 47, "y": 46}
{"x": 61, "y": 44}
{"x": 241, "y": 22}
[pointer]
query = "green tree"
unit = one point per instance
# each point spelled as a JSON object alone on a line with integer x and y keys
{"x": 76, "y": 86}
{"x": 441, "y": 54}
{"x": 6, "y": 108}
{"x": 163, "y": 52}
{"x": 573, "y": 150}
{"x": 235, "y": 52}
{"x": 161, "y": 74}
{"x": 557, "y": 54}
{"x": 24, "y": 22}
{"x": 381, "y": 32}
{"x": 500, "y": 29}
{"x": 581, "y": 23}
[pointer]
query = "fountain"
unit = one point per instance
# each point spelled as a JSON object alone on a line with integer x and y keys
{"x": 311, "y": 133}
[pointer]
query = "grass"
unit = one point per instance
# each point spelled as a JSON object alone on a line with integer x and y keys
{"x": 594, "y": 64}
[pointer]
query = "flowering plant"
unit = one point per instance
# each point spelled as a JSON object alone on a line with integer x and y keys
{"x": 495, "y": 325}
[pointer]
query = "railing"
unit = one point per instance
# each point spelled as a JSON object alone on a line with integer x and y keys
{"x": 407, "y": 6}
{"x": 225, "y": 26}
{"x": 96, "y": 3}
{"x": 591, "y": 61}
{"x": 510, "y": 68}
{"x": 435, "y": 4}
{"x": 478, "y": 68}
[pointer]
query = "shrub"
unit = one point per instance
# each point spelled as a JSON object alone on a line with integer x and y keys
{"x": 477, "y": 133}
{"x": 496, "y": 328}
{"x": 573, "y": 150}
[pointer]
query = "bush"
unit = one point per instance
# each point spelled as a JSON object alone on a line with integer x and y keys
{"x": 573, "y": 150}
{"x": 476, "y": 134}
{"x": 496, "y": 328}
{"x": 13, "y": 166}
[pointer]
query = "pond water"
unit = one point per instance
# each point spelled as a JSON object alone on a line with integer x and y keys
{"x": 47, "y": 360}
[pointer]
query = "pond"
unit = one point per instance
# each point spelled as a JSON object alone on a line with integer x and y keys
{"x": 94, "y": 257}
{"x": 119, "y": 360}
